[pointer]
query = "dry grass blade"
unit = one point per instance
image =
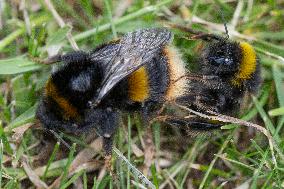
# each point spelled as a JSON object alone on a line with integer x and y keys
{"x": 87, "y": 154}
{"x": 280, "y": 58}
{"x": 149, "y": 150}
{"x": 26, "y": 16}
{"x": 2, "y": 3}
{"x": 170, "y": 177}
{"x": 88, "y": 167}
{"x": 136, "y": 150}
{"x": 122, "y": 7}
{"x": 237, "y": 14}
{"x": 34, "y": 178}
{"x": 61, "y": 23}
{"x": 138, "y": 185}
{"x": 19, "y": 132}
{"x": 220, "y": 27}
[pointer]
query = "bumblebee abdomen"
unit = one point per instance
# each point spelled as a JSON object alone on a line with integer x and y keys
{"x": 160, "y": 79}
{"x": 248, "y": 65}
{"x": 150, "y": 82}
{"x": 138, "y": 85}
{"x": 178, "y": 83}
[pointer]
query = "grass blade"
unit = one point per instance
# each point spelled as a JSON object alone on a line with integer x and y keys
{"x": 66, "y": 168}
{"x": 51, "y": 159}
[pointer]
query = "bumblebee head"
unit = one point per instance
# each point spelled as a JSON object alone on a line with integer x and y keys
{"x": 223, "y": 56}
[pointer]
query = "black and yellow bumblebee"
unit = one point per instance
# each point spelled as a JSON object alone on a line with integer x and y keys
{"x": 140, "y": 72}
{"x": 91, "y": 89}
{"x": 227, "y": 72}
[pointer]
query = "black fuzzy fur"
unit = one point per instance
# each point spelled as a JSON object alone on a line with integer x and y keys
{"x": 104, "y": 118}
{"x": 218, "y": 94}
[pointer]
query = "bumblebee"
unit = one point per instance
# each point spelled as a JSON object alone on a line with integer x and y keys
{"x": 228, "y": 71}
{"x": 92, "y": 89}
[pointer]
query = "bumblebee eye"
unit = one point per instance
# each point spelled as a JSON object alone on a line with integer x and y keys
{"x": 228, "y": 61}
{"x": 217, "y": 61}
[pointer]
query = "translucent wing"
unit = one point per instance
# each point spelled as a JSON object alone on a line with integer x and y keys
{"x": 133, "y": 51}
{"x": 106, "y": 53}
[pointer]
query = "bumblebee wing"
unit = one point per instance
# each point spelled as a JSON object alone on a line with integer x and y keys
{"x": 135, "y": 49}
{"x": 105, "y": 53}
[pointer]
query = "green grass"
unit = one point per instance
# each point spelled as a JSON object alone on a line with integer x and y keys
{"x": 230, "y": 158}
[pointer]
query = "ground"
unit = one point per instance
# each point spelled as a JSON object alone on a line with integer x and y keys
{"x": 233, "y": 157}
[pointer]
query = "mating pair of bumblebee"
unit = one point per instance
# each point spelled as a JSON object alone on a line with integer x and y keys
{"x": 140, "y": 72}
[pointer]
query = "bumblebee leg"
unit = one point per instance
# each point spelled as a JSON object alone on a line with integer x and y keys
{"x": 107, "y": 146}
{"x": 205, "y": 103}
{"x": 207, "y": 37}
{"x": 195, "y": 124}
{"x": 196, "y": 34}
{"x": 202, "y": 103}
{"x": 209, "y": 81}
{"x": 107, "y": 121}
{"x": 196, "y": 102}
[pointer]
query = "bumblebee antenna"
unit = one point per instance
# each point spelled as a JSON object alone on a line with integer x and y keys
{"x": 225, "y": 25}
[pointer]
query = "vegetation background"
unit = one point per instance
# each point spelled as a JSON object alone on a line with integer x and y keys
{"x": 235, "y": 157}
